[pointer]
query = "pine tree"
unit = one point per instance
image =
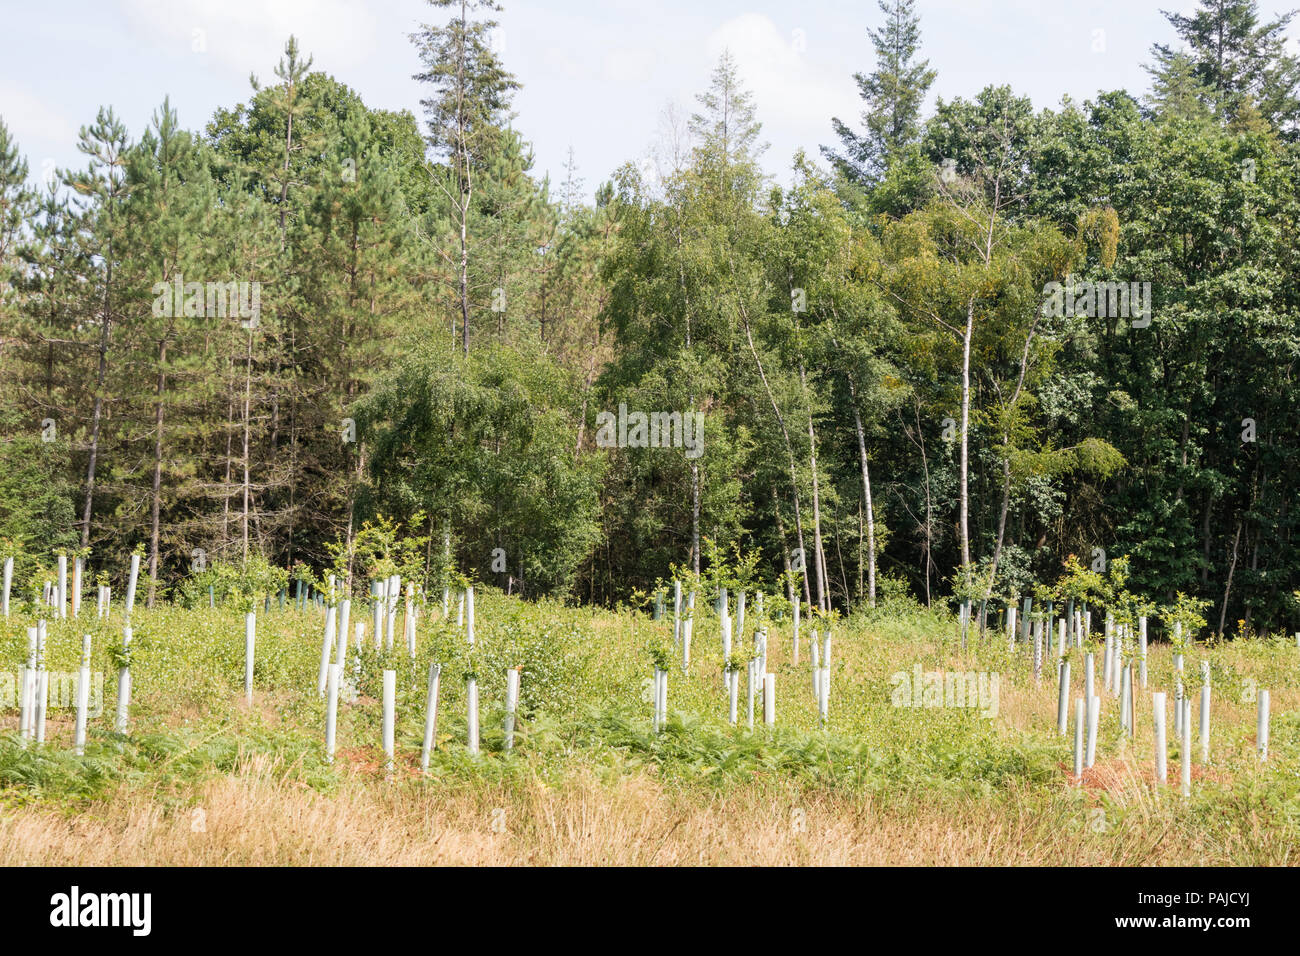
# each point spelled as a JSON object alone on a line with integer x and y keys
{"x": 727, "y": 128}
{"x": 466, "y": 110}
{"x": 15, "y": 204}
{"x": 1236, "y": 59}
{"x": 171, "y": 201}
{"x": 893, "y": 93}
{"x": 103, "y": 190}
{"x": 1176, "y": 91}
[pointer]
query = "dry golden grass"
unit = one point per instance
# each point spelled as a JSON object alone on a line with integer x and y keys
{"x": 701, "y": 799}
{"x": 256, "y": 818}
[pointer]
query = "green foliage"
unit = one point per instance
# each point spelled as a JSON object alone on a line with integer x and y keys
{"x": 884, "y": 382}
{"x": 36, "y": 515}
{"x": 1183, "y": 617}
{"x": 241, "y": 586}
{"x": 381, "y": 549}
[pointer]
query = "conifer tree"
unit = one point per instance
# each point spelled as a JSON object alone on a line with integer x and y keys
{"x": 467, "y": 107}
{"x": 893, "y": 93}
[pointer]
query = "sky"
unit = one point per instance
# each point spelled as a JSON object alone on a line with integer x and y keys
{"x": 596, "y": 74}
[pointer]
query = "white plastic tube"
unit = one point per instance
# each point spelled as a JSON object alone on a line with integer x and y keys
{"x": 332, "y": 682}
{"x": 796, "y": 631}
{"x": 1094, "y": 713}
{"x": 27, "y": 695}
{"x": 327, "y": 648}
{"x": 1063, "y": 697}
{"x": 77, "y": 567}
{"x": 512, "y": 705}
{"x": 124, "y": 687}
{"x": 390, "y": 708}
{"x": 430, "y": 715}
{"x": 42, "y": 683}
{"x": 1261, "y": 725}
{"x": 1158, "y": 725}
{"x": 753, "y": 692}
{"x": 341, "y": 634}
{"x": 83, "y": 696}
{"x": 1142, "y": 651}
{"x": 1126, "y": 699}
{"x": 130, "y": 584}
{"x": 1079, "y": 718}
{"x": 408, "y": 622}
{"x": 250, "y": 642}
{"x": 663, "y": 699}
{"x": 62, "y": 598}
{"x": 469, "y": 608}
{"x": 8, "y": 584}
{"x": 471, "y": 703}
{"x": 1205, "y": 724}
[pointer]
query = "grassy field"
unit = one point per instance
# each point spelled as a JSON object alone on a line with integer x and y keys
{"x": 202, "y": 778}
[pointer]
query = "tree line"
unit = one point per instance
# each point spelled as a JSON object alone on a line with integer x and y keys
{"x": 960, "y": 349}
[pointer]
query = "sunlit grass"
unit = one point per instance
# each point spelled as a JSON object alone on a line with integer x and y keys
{"x": 590, "y": 782}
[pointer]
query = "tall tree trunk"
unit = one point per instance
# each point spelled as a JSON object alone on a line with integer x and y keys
{"x": 101, "y": 376}
{"x": 695, "y": 517}
{"x": 466, "y": 182}
{"x": 839, "y": 554}
{"x": 1006, "y": 465}
{"x": 965, "y": 430}
{"x": 785, "y": 548}
{"x": 230, "y": 456}
{"x": 155, "y": 508}
{"x": 1205, "y": 539}
{"x": 823, "y": 598}
{"x": 789, "y": 451}
{"x": 866, "y": 494}
{"x": 928, "y": 526}
{"x": 248, "y": 393}
{"x": 1232, "y": 567}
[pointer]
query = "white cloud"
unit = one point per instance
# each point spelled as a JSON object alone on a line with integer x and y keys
{"x": 795, "y": 87}
{"x": 628, "y": 66}
{"x": 249, "y": 35}
{"x": 30, "y": 119}
{"x": 560, "y": 63}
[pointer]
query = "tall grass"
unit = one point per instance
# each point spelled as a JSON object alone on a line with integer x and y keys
{"x": 589, "y": 781}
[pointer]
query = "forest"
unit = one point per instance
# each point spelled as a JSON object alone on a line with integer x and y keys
{"x": 959, "y": 350}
